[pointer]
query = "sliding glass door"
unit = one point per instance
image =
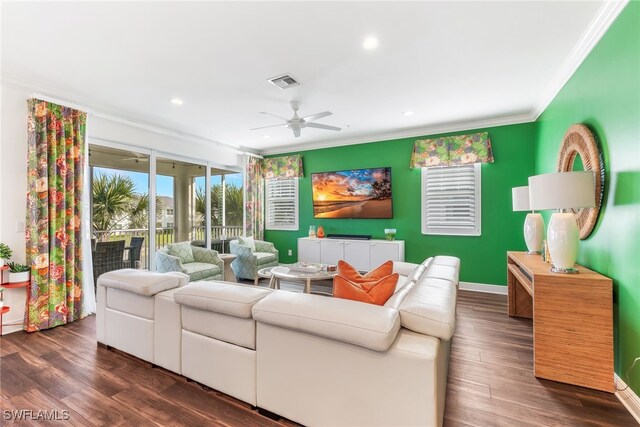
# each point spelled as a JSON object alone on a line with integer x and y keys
{"x": 150, "y": 200}
{"x": 120, "y": 202}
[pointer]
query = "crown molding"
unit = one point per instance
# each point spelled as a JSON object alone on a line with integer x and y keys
{"x": 54, "y": 95}
{"x": 405, "y": 133}
{"x": 607, "y": 14}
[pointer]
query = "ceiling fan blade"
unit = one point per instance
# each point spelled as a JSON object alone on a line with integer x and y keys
{"x": 274, "y": 115}
{"x": 321, "y": 126}
{"x": 271, "y": 126}
{"x": 296, "y": 132}
{"x": 317, "y": 116}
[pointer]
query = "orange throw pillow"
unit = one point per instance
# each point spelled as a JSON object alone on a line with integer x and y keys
{"x": 347, "y": 271}
{"x": 377, "y": 292}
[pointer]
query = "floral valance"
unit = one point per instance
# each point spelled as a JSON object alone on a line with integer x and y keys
{"x": 282, "y": 167}
{"x": 452, "y": 151}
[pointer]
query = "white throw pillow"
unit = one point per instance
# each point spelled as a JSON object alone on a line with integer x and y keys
{"x": 248, "y": 241}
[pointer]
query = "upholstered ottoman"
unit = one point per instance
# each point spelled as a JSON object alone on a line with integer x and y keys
{"x": 219, "y": 336}
{"x": 136, "y": 313}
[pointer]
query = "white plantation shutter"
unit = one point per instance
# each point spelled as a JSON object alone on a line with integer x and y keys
{"x": 451, "y": 200}
{"x": 281, "y": 204}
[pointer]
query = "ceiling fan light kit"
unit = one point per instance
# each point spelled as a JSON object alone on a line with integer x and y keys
{"x": 297, "y": 123}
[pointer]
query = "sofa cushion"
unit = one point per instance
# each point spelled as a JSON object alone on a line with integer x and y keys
{"x": 231, "y": 329}
{"x": 445, "y": 272}
{"x": 182, "y": 251}
{"x": 404, "y": 268}
{"x": 417, "y": 273}
{"x": 221, "y": 297}
{"x": 130, "y": 303}
{"x": 142, "y": 282}
{"x": 366, "y": 325}
{"x": 430, "y": 308}
{"x": 400, "y": 294}
{"x": 201, "y": 270}
{"x": 371, "y": 292}
{"x": 451, "y": 261}
{"x": 347, "y": 271}
{"x": 248, "y": 241}
{"x": 265, "y": 257}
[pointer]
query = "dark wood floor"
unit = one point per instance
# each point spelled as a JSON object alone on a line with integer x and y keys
{"x": 490, "y": 381}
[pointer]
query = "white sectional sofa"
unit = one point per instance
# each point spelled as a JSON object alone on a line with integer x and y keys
{"x": 313, "y": 359}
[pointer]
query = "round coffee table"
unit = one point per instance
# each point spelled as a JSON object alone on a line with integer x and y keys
{"x": 284, "y": 272}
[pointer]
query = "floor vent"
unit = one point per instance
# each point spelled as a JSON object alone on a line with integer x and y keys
{"x": 284, "y": 81}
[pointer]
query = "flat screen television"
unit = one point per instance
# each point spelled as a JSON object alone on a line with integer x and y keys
{"x": 356, "y": 193}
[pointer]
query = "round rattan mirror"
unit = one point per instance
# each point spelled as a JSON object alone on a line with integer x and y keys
{"x": 579, "y": 141}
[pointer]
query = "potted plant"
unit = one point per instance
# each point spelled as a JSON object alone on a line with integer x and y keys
{"x": 18, "y": 272}
{"x": 5, "y": 253}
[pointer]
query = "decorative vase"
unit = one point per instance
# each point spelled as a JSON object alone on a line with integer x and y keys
{"x": 390, "y": 233}
{"x": 22, "y": 276}
{"x": 534, "y": 232}
{"x": 320, "y": 233}
{"x": 563, "y": 238}
{"x": 1, "y": 262}
{"x": 312, "y": 231}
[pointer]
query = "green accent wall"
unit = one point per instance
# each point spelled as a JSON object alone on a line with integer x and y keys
{"x": 483, "y": 257}
{"x": 604, "y": 94}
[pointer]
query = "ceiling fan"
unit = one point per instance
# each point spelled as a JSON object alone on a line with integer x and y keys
{"x": 296, "y": 123}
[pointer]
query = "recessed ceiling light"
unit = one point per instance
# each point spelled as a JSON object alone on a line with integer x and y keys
{"x": 176, "y": 101}
{"x": 266, "y": 136}
{"x": 408, "y": 113}
{"x": 371, "y": 43}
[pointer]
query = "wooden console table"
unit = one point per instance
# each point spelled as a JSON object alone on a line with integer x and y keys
{"x": 572, "y": 320}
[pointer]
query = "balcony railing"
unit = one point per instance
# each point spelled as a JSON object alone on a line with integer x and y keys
{"x": 164, "y": 236}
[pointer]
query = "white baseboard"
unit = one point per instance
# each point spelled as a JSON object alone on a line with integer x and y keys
{"x": 629, "y": 399}
{"x": 483, "y": 287}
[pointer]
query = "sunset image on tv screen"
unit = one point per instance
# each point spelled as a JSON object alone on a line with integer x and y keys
{"x": 359, "y": 193}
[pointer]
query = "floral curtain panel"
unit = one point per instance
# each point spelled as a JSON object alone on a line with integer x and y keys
{"x": 56, "y": 146}
{"x": 283, "y": 167}
{"x": 452, "y": 151}
{"x": 254, "y": 198}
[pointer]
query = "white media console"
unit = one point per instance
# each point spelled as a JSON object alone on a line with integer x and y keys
{"x": 362, "y": 254}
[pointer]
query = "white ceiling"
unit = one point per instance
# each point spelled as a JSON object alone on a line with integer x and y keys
{"x": 449, "y": 62}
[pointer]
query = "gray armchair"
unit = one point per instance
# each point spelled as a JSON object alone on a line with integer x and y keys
{"x": 248, "y": 261}
{"x": 198, "y": 263}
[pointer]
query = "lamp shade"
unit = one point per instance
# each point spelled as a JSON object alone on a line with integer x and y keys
{"x": 562, "y": 190}
{"x": 520, "y": 198}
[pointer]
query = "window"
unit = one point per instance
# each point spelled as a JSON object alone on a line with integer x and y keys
{"x": 451, "y": 200}
{"x": 281, "y": 204}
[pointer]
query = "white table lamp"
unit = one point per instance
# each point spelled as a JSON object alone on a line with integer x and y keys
{"x": 562, "y": 190}
{"x": 533, "y": 224}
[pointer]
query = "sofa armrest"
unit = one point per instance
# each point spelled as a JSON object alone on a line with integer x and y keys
{"x": 145, "y": 283}
{"x": 430, "y": 308}
{"x": 221, "y": 297}
{"x": 166, "y": 263}
{"x": 207, "y": 255}
{"x": 365, "y": 325}
{"x": 243, "y": 252}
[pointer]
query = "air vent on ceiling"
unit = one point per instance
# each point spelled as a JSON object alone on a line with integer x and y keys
{"x": 284, "y": 81}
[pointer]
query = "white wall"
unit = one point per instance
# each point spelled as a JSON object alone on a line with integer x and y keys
{"x": 13, "y": 171}
{"x": 13, "y": 193}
